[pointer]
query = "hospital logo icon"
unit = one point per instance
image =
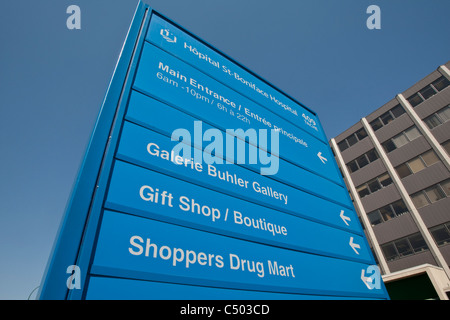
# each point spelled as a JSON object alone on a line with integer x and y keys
{"x": 168, "y": 36}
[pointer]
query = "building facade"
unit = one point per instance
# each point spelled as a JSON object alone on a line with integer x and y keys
{"x": 396, "y": 165}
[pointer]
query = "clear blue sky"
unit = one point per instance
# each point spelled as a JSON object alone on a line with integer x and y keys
{"x": 53, "y": 80}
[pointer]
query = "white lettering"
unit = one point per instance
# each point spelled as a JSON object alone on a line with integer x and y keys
{"x": 73, "y": 21}
{"x": 176, "y": 255}
{"x": 374, "y": 21}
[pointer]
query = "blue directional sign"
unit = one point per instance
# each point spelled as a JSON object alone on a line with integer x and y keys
{"x": 174, "y": 82}
{"x": 149, "y": 194}
{"x": 151, "y": 250}
{"x": 153, "y": 151}
{"x": 204, "y": 181}
{"x": 160, "y": 117}
{"x": 194, "y": 52}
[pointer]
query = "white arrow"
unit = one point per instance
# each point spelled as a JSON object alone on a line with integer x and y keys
{"x": 354, "y": 245}
{"x": 322, "y": 158}
{"x": 367, "y": 280}
{"x": 345, "y": 218}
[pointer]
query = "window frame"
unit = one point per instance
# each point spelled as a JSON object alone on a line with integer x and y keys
{"x": 426, "y": 90}
{"x": 446, "y": 228}
{"x": 438, "y": 118}
{"x": 424, "y": 193}
{"x": 420, "y": 195}
{"x": 416, "y": 165}
{"x": 401, "y": 173}
{"x": 393, "y": 113}
{"x": 352, "y": 139}
{"x": 362, "y": 157}
{"x": 446, "y": 146}
{"x": 383, "y": 211}
{"x": 424, "y": 159}
{"x": 441, "y": 79}
{"x": 414, "y": 99}
{"x": 412, "y": 243}
{"x": 401, "y": 137}
{"x": 366, "y": 189}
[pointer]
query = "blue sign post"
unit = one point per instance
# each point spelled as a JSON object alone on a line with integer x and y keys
{"x": 166, "y": 206}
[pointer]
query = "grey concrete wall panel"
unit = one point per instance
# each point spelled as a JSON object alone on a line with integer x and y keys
{"x": 412, "y": 261}
{"x": 421, "y": 84}
{"x": 396, "y": 228}
{"x": 357, "y": 149}
{"x": 380, "y": 198}
{"x": 387, "y": 106}
{"x": 433, "y": 104}
{"x": 442, "y": 132}
{"x": 425, "y": 178}
{"x": 436, "y": 213}
{"x": 393, "y": 128}
{"x": 408, "y": 151}
{"x": 370, "y": 171}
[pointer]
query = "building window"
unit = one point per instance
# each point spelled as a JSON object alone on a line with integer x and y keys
{"x": 438, "y": 118}
{"x": 387, "y": 117}
{"x": 374, "y": 185}
{"x": 403, "y": 170}
{"x": 420, "y": 200}
{"x": 401, "y": 139}
{"x": 431, "y": 194}
{"x": 445, "y": 185}
{"x": 403, "y": 247}
{"x": 417, "y": 164}
{"x": 375, "y": 217}
{"x": 412, "y": 133}
{"x": 362, "y": 161}
{"x": 417, "y": 243}
{"x": 363, "y": 191}
{"x": 361, "y": 134}
{"x": 428, "y": 91}
{"x": 397, "y": 111}
{"x": 435, "y": 193}
{"x": 441, "y": 234}
{"x": 389, "y": 251}
{"x": 372, "y": 155}
{"x": 441, "y": 83}
{"x": 376, "y": 124}
{"x": 388, "y": 212}
{"x": 352, "y": 139}
{"x": 429, "y": 157}
{"x": 446, "y": 146}
{"x": 415, "y": 99}
{"x": 343, "y": 145}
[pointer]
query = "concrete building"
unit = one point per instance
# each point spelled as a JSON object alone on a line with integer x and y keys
{"x": 396, "y": 165}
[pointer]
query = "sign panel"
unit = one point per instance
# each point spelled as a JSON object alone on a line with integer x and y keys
{"x": 172, "y": 39}
{"x": 184, "y": 194}
{"x": 101, "y": 288}
{"x": 174, "y": 82}
{"x": 151, "y": 194}
{"x": 152, "y": 250}
{"x": 152, "y": 150}
{"x": 162, "y": 118}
